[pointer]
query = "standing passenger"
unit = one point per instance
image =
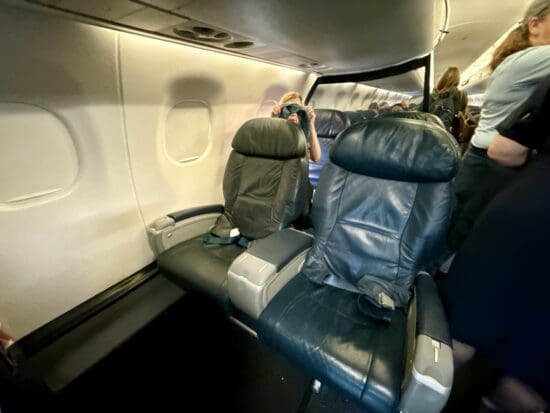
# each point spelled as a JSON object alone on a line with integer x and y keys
{"x": 519, "y": 64}
{"x": 447, "y": 101}
{"x": 496, "y": 292}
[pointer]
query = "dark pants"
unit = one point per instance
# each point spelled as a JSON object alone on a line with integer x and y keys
{"x": 476, "y": 183}
{"x": 497, "y": 291}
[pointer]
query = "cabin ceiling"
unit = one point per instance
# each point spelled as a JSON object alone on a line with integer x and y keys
{"x": 473, "y": 27}
{"x": 322, "y": 36}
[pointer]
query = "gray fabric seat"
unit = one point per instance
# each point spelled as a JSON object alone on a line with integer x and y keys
{"x": 265, "y": 189}
{"x": 380, "y": 215}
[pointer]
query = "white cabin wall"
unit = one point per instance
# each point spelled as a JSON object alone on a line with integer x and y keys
{"x": 352, "y": 96}
{"x": 160, "y": 75}
{"x": 106, "y": 94}
{"x": 333, "y": 96}
{"x": 59, "y": 249}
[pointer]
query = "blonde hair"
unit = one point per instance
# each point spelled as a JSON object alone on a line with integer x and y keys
{"x": 288, "y": 96}
{"x": 448, "y": 80}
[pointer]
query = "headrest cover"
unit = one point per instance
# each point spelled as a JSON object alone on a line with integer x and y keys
{"x": 301, "y": 111}
{"x": 329, "y": 123}
{"x": 429, "y": 117}
{"x": 270, "y": 138}
{"x": 397, "y": 149}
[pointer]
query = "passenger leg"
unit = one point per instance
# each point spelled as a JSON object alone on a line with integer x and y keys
{"x": 476, "y": 183}
{"x": 512, "y": 396}
{"x": 496, "y": 291}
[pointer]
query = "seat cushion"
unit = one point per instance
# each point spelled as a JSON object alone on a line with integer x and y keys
{"x": 322, "y": 329}
{"x": 196, "y": 266}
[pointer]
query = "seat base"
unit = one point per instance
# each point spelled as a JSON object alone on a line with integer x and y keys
{"x": 199, "y": 267}
{"x": 322, "y": 328}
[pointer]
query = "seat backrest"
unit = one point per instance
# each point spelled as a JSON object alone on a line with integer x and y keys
{"x": 381, "y": 209}
{"x": 368, "y": 114}
{"x": 355, "y": 117}
{"x": 265, "y": 184}
{"x": 328, "y": 124}
{"x": 429, "y": 117}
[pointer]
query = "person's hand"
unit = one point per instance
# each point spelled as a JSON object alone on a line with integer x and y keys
{"x": 457, "y": 125}
{"x": 468, "y": 131}
{"x": 276, "y": 110}
{"x": 311, "y": 113}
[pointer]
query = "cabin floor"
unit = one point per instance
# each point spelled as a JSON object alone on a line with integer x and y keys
{"x": 192, "y": 358}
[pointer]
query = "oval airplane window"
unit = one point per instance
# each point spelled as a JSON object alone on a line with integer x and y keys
{"x": 187, "y": 131}
{"x": 37, "y": 154}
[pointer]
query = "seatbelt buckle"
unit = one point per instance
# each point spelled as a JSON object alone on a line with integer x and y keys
{"x": 385, "y": 301}
{"x": 234, "y": 232}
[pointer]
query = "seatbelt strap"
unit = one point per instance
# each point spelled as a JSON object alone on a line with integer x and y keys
{"x": 376, "y": 310}
{"x": 243, "y": 242}
{"x": 212, "y": 239}
{"x": 234, "y": 237}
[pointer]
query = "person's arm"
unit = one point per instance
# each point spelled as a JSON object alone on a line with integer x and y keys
{"x": 507, "y": 151}
{"x": 524, "y": 129}
{"x": 315, "y": 147}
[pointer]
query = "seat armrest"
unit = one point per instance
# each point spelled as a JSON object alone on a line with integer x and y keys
{"x": 430, "y": 315}
{"x": 281, "y": 247}
{"x": 193, "y": 212}
{"x": 431, "y": 369}
{"x": 259, "y": 273}
{"x": 180, "y": 226}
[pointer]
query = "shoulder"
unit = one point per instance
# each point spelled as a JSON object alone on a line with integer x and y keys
{"x": 531, "y": 56}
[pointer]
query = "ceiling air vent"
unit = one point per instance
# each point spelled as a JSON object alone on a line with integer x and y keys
{"x": 310, "y": 65}
{"x": 203, "y": 34}
{"x": 239, "y": 45}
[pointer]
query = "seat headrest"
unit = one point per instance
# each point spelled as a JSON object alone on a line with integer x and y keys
{"x": 397, "y": 149}
{"x": 329, "y": 123}
{"x": 429, "y": 117}
{"x": 354, "y": 117}
{"x": 369, "y": 113}
{"x": 270, "y": 138}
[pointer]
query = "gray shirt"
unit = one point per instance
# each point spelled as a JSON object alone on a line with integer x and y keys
{"x": 510, "y": 85}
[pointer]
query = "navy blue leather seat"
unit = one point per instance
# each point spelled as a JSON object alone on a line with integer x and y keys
{"x": 355, "y": 117}
{"x": 380, "y": 215}
{"x": 328, "y": 124}
{"x": 368, "y": 114}
{"x": 265, "y": 189}
{"x": 428, "y": 117}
